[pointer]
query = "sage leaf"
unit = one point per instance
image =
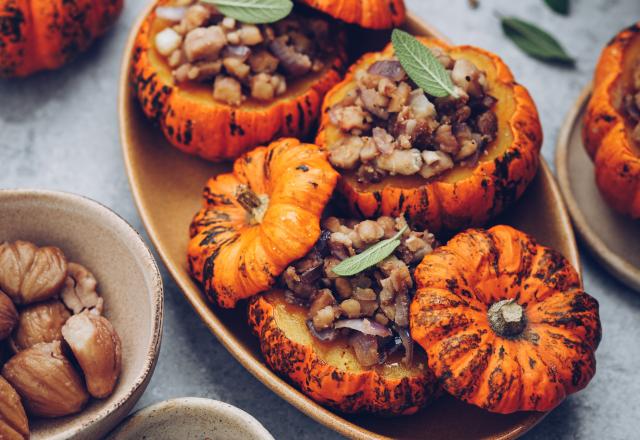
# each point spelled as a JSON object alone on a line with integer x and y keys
{"x": 559, "y": 6}
{"x": 421, "y": 65}
{"x": 534, "y": 41}
{"x": 253, "y": 11}
{"x": 370, "y": 257}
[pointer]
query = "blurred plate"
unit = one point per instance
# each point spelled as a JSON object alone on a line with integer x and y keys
{"x": 612, "y": 238}
{"x": 167, "y": 185}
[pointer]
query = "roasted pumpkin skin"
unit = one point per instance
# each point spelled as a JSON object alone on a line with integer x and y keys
{"x": 330, "y": 374}
{"x": 605, "y": 132}
{"x": 371, "y": 14}
{"x": 45, "y": 34}
{"x": 462, "y": 197}
{"x": 194, "y": 122}
{"x": 532, "y": 368}
{"x": 235, "y": 254}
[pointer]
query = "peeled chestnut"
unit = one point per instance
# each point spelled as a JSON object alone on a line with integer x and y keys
{"x": 46, "y": 380}
{"x": 13, "y": 420}
{"x": 30, "y": 274}
{"x": 96, "y": 346}
{"x": 8, "y": 316}
{"x": 41, "y": 322}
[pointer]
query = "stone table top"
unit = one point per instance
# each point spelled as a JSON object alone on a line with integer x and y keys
{"x": 59, "y": 130}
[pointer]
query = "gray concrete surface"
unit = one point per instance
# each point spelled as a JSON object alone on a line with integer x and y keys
{"x": 59, "y": 130}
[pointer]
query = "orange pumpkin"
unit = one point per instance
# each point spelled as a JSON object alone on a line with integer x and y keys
{"x": 372, "y": 14}
{"x": 463, "y": 196}
{"x": 45, "y": 34}
{"x": 504, "y": 321}
{"x": 607, "y": 131}
{"x": 193, "y": 121}
{"x": 258, "y": 219}
{"x": 329, "y": 372}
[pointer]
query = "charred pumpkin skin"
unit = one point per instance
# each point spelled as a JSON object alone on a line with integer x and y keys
{"x": 371, "y": 14}
{"x": 605, "y": 135}
{"x": 46, "y": 34}
{"x": 533, "y": 370}
{"x": 234, "y": 256}
{"x": 343, "y": 387}
{"x": 462, "y": 197}
{"x": 199, "y": 125}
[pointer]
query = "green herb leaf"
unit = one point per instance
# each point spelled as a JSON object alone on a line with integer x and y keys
{"x": 421, "y": 65}
{"x": 253, "y": 11}
{"x": 370, "y": 257}
{"x": 534, "y": 41}
{"x": 559, "y": 6}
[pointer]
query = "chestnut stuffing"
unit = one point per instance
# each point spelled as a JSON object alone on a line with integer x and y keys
{"x": 632, "y": 104}
{"x": 370, "y": 308}
{"x": 391, "y": 127}
{"x": 240, "y": 60}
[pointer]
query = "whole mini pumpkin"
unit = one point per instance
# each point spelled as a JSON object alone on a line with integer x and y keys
{"x": 463, "y": 196}
{"x": 329, "y": 372}
{"x": 45, "y": 34}
{"x": 607, "y": 132}
{"x": 259, "y": 218}
{"x": 372, "y": 14}
{"x": 504, "y": 321}
{"x": 193, "y": 121}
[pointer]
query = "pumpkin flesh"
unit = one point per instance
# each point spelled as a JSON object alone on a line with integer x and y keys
{"x": 329, "y": 372}
{"x": 609, "y": 130}
{"x": 193, "y": 121}
{"x": 371, "y": 14}
{"x": 464, "y": 195}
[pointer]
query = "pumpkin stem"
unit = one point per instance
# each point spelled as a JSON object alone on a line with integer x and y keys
{"x": 507, "y": 318}
{"x": 256, "y": 205}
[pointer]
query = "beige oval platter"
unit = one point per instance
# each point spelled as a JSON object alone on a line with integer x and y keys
{"x": 609, "y": 235}
{"x": 167, "y": 185}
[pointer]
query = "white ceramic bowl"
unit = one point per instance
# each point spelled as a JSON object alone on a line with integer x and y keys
{"x": 191, "y": 418}
{"x": 128, "y": 280}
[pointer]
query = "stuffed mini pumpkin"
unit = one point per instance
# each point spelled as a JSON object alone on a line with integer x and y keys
{"x": 371, "y": 14}
{"x": 611, "y": 129}
{"x": 446, "y": 162}
{"x": 504, "y": 321}
{"x": 258, "y": 219}
{"x": 218, "y": 87}
{"x": 45, "y": 34}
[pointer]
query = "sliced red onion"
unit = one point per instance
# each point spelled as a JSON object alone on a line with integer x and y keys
{"x": 328, "y": 334}
{"x": 171, "y": 13}
{"x": 387, "y": 68}
{"x": 363, "y": 325}
{"x": 408, "y": 344}
{"x": 365, "y": 348}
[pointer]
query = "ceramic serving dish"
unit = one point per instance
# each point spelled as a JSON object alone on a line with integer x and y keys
{"x": 607, "y": 234}
{"x": 128, "y": 280}
{"x": 167, "y": 185}
{"x": 190, "y": 418}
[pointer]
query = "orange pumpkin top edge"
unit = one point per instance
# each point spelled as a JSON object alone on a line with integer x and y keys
{"x": 44, "y": 35}
{"x": 194, "y": 116}
{"x": 608, "y": 130}
{"x": 505, "y": 321}
{"x": 463, "y": 196}
{"x": 371, "y": 14}
{"x": 258, "y": 219}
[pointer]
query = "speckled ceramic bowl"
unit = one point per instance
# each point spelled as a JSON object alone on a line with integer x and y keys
{"x": 128, "y": 280}
{"x": 191, "y": 418}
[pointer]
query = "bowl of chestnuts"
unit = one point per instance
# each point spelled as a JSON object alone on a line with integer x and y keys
{"x": 81, "y": 306}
